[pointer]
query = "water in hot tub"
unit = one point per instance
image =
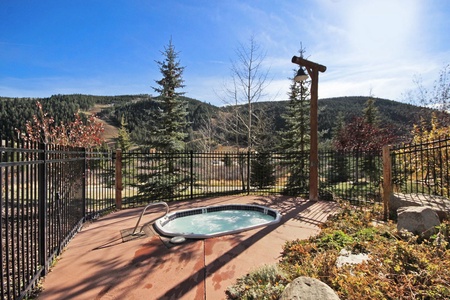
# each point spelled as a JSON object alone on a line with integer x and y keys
{"x": 220, "y": 221}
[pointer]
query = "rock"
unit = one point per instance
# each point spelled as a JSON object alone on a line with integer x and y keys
{"x": 346, "y": 257}
{"x": 307, "y": 288}
{"x": 418, "y": 220}
{"x": 441, "y": 205}
{"x": 398, "y": 200}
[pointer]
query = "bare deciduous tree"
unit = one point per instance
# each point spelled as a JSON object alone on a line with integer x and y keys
{"x": 248, "y": 82}
{"x": 207, "y": 135}
{"x": 438, "y": 97}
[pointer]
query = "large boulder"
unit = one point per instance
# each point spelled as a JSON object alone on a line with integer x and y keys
{"x": 418, "y": 220}
{"x": 441, "y": 205}
{"x": 307, "y": 288}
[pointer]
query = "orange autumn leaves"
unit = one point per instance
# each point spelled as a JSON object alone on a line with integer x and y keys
{"x": 77, "y": 133}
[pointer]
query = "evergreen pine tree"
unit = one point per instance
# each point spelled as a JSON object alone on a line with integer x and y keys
{"x": 262, "y": 170}
{"x": 165, "y": 176}
{"x": 339, "y": 163}
{"x": 262, "y": 167}
{"x": 339, "y": 125}
{"x": 123, "y": 140}
{"x": 170, "y": 122}
{"x": 371, "y": 113}
{"x": 371, "y": 116}
{"x": 296, "y": 139}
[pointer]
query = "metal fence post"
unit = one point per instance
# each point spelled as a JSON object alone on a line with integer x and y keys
{"x": 387, "y": 178}
{"x": 42, "y": 200}
{"x": 119, "y": 186}
{"x": 83, "y": 191}
{"x": 248, "y": 172}
{"x": 192, "y": 173}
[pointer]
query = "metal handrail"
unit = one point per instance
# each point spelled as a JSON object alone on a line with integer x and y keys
{"x": 143, "y": 212}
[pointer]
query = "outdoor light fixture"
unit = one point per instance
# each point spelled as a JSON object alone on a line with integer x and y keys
{"x": 301, "y": 75}
{"x": 313, "y": 71}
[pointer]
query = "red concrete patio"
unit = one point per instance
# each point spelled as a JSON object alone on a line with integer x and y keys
{"x": 99, "y": 264}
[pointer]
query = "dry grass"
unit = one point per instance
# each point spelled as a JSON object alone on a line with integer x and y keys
{"x": 111, "y": 132}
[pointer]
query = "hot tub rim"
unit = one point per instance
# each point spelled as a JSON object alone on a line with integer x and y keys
{"x": 170, "y": 216}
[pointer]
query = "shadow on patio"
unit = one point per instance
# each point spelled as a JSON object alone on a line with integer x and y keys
{"x": 98, "y": 265}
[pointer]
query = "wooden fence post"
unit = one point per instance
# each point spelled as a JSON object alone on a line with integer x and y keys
{"x": 119, "y": 186}
{"x": 387, "y": 179}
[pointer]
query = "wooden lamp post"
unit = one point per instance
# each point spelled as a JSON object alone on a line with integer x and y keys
{"x": 313, "y": 71}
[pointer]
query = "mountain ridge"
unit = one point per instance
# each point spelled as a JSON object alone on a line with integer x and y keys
{"x": 15, "y": 111}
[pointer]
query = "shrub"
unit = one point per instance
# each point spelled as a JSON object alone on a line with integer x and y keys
{"x": 267, "y": 282}
{"x": 398, "y": 268}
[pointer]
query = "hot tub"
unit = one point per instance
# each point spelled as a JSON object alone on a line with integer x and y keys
{"x": 211, "y": 221}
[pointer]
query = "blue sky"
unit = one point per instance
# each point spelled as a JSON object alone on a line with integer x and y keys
{"x": 109, "y": 47}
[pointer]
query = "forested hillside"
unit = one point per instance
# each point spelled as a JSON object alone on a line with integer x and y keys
{"x": 14, "y": 112}
{"x": 400, "y": 116}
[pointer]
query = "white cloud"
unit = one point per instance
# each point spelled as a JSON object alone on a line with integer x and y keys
{"x": 370, "y": 46}
{"x": 366, "y": 45}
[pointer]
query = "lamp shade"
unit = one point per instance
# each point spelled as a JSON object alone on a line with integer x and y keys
{"x": 301, "y": 75}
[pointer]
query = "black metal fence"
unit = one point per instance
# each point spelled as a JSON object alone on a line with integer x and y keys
{"x": 148, "y": 177}
{"x": 422, "y": 168}
{"x": 47, "y": 192}
{"x": 353, "y": 176}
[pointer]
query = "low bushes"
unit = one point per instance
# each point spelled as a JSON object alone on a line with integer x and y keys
{"x": 398, "y": 268}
